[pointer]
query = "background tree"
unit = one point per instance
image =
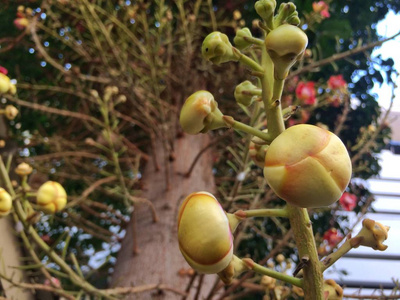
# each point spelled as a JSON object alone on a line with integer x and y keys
{"x": 102, "y": 119}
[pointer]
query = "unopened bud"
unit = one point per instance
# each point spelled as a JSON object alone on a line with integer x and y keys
{"x": 217, "y": 48}
{"x": 23, "y": 169}
{"x": 10, "y": 112}
{"x": 51, "y": 197}
{"x": 5, "y": 203}
{"x": 240, "y": 38}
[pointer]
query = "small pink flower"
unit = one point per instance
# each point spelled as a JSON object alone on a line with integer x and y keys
{"x": 322, "y": 8}
{"x": 332, "y": 236}
{"x": 3, "y": 70}
{"x": 348, "y": 201}
{"x": 337, "y": 82}
{"x": 55, "y": 282}
{"x": 21, "y": 23}
{"x": 305, "y": 91}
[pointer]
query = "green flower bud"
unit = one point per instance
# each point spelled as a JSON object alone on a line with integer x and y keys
{"x": 217, "y": 48}
{"x": 246, "y": 92}
{"x": 287, "y": 14}
{"x": 200, "y": 113}
{"x": 265, "y": 9}
{"x": 240, "y": 39}
{"x": 285, "y": 45}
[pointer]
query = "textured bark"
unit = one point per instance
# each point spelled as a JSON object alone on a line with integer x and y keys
{"x": 159, "y": 259}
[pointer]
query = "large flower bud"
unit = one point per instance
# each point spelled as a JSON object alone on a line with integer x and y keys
{"x": 217, "y": 48}
{"x": 200, "y": 113}
{"x": 5, "y": 202}
{"x": 285, "y": 45}
{"x": 51, "y": 197}
{"x": 204, "y": 234}
{"x": 307, "y": 166}
{"x": 240, "y": 38}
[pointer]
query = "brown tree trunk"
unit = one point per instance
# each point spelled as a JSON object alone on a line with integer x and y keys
{"x": 159, "y": 260}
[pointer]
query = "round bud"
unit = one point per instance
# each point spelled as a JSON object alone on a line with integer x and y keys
{"x": 245, "y": 92}
{"x": 307, "y": 166}
{"x": 5, "y": 202}
{"x": 10, "y": 112}
{"x": 204, "y": 235}
{"x": 200, "y": 113}
{"x": 5, "y": 83}
{"x": 51, "y": 197}
{"x": 23, "y": 169}
{"x": 217, "y": 48}
{"x": 285, "y": 45}
{"x": 265, "y": 9}
{"x": 240, "y": 38}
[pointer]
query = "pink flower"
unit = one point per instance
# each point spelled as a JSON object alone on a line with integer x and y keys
{"x": 322, "y": 8}
{"x": 305, "y": 91}
{"x": 21, "y": 23}
{"x": 336, "y": 82}
{"x": 348, "y": 201}
{"x": 332, "y": 236}
{"x": 3, "y": 70}
{"x": 55, "y": 282}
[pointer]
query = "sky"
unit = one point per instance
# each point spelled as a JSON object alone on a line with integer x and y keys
{"x": 388, "y": 27}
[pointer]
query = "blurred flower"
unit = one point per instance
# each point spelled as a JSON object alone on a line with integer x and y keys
{"x": 3, "y": 70}
{"x": 336, "y": 82}
{"x": 322, "y": 8}
{"x": 21, "y": 23}
{"x": 237, "y": 15}
{"x": 348, "y": 201}
{"x": 335, "y": 101}
{"x": 305, "y": 91}
{"x": 332, "y": 237}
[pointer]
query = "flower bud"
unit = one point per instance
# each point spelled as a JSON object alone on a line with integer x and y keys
{"x": 21, "y": 23}
{"x": 217, "y": 48}
{"x": 285, "y": 45}
{"x": 307, "y": 166}
{"x": 204, "y": 234}
{"x": 51, "y": 197}
{"x": 371, "y": 235}
{"x": 287, "y": 14}
{"x": 240, "y": 38}
{"x": 10, "y": 112}
{"x": 5, "y": 202}
{"x": 23, "y": 169}
{"x": 200, "y": 113}
{"x": 245, "y": 92}
{"x": 13, "y": 89}
{"x": 257, "y": 153}
{"x": 332, "y": 291}
{"x": 265, "y": 9}
{"x": 235, "y": 268}
{"x": 5, "y": 83}
{"x": 268, "y": 282}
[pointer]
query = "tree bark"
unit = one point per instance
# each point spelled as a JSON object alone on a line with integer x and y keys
{"x": 159, "y": 260}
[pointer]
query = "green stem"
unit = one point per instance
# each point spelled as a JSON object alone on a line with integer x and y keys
{"x": 244, "y": 59}
{"x": 333, "y": 257}
{"x": 272, "y": 273}
{"x": 254, "y": 40}
{"x": 231, "y": 122}
{"x": 302, "y": 230}
{"x": 266, "y": 212}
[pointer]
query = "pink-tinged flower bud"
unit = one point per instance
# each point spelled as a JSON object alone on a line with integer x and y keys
{"x": 332, "y": 291}
{"x": 10, "y": 112}
{"x": 322, "y": 8}
{"x": 51, "y": 197}
{"x": 307, "y": 166}
{"x": 372, "y": 234}
{"x": 285, "y": 45}
{"x": 200, "y": 113}
{"x": 21, "y": 23}
{"x": 5, "y": 203}
{"x": 204, "y": 234}
{"x": 3, "y": 70}
{"x": 5, "y": 83}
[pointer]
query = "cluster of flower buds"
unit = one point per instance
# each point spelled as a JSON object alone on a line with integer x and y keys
{"x": 200, "y": 113}
{"x": 23, "y": 15}
{"x": 51, "y": 197}
{"x": 5, "y": 83}
{"x": 5, "y": 203}
{"x": 308, "y": 166}
{"x": 205, "y": 236}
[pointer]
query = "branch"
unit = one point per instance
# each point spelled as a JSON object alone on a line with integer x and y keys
{"x": 339, "y": 56}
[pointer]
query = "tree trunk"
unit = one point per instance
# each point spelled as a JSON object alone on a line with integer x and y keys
{"x": 159, "y": 260}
